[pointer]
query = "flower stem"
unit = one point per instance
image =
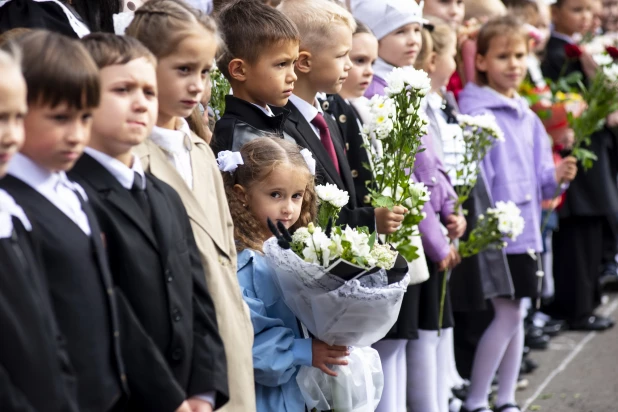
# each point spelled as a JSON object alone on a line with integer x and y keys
{"x": 442, "y": 301}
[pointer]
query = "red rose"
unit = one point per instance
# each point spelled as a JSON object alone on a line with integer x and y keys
{"x": 572, "y": 51}
{"x": 612, "y": 51}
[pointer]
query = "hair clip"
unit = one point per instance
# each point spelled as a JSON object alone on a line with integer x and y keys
{"x": 306, "y": 154}
{"x": 284, "y": 239}
{"x": 229, "y": 161}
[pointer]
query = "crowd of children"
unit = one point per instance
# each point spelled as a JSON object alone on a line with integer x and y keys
{"x": 132, "y": 275}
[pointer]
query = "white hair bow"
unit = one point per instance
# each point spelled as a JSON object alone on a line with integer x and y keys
{"x": 229, "y": 161}
{"x": 309, "y": 160}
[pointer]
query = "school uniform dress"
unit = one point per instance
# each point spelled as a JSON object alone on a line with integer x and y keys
{"x": 35, "y": 371}
{"x": 332, "y": 164}
{"x": 112, "y": 356}
{"x": 186, "y": 162}
{"x": 520, "y": 169}
{"x": 587, "y": 218}
{"x": 279, "y": 348}
{"x": 155, "y": 262}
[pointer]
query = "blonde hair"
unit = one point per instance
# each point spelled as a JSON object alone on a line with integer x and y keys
{"x": 483, "y": 9}
{"x": 261, "y": 157}
{"x": 315, "y": 19}
{"x": 161, "y": 25}
{"x": 435, "y": 40}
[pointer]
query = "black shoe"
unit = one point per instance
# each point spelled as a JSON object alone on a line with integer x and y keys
{"x": 528, "y": 366}
{"x": 464, "y": 409}
{"x": 506, "y": 406}
{"x": 592, "y": 323}
{"x": 461, "y": 391}
{"x": 553, "y": 327}
{"x": 536, "y": 339}
{"x": 610, "y": 321}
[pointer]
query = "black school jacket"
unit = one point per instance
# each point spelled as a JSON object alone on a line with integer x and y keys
{"x": 300, "y": 130}
{"x": 593, "y": 192}
{"x": 113, "y": 358}
{"x": 35, "y": 371}
{"x": 157, "y": 266}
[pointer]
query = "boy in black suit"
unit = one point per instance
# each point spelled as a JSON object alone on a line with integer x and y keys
{"x": 113, "y": 358}
{"x": 150, "y": 244}
{"x": 35, "y": 373}
{"x": 588, "y": 216}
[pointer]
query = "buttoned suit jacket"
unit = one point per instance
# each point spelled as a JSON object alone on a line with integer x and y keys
{"x": 157, "y": 266}
{"x": 213, "y": 229}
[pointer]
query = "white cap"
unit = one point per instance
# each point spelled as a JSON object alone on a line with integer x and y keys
{"x": 386, "y": 16}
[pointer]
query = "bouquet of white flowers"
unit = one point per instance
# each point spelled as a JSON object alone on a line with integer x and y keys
{"x": 398, "y": 123}
{"x": 334, "y": 280}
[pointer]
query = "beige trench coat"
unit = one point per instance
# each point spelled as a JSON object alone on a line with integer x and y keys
{"x": 212, "y": 226}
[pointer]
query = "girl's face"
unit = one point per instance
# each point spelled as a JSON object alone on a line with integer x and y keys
{"x": 400, "y": 47}
{"x": 181, "y": 77}
{"x": 443, "y": 65}
{"x": 451, "y": 11}
{"x": 504, "y": 63}
{"x": 363, "y": 55}
{"x": 278, "y": 197}
{"x": 13, "y": 108}
{"x": 572, "y": 16}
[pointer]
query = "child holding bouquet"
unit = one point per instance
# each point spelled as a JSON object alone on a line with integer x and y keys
{"x": 271, "y": 178}
{"x": 520, "y": 170}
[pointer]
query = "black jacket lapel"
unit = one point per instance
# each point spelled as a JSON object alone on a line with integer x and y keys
{"x": 344, "y": 166}
{"x": 161, "y": 222}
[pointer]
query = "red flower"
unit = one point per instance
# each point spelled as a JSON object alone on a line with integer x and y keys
{"x": 572, "y": 51}
{"x": 612, "y": 51}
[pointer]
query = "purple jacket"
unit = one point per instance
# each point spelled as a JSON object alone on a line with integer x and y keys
{"x": 521, "y": 169}
{"x": 428, "y": 169}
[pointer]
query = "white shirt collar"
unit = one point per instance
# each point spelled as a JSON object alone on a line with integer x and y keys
{"x": 173, "y": 141}
{"x": 8, "y": 209}
{"x": 119, "y": 170}
{"x": 564, "y": 37}
{"x": 382, "y": 68}
{"x": 36, "y": 176}
{"x": 309, "y": 111}
{"x": 267, "y": 111}
{"x": 434, "y": 100}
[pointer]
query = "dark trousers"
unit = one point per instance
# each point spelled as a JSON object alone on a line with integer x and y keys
{"x": 468, "y": 330}
{"x": 578, "y": 255}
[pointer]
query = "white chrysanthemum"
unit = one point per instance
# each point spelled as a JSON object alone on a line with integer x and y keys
{"x": 317, "y": 246}
{"x": 383, "y": 257}
{"x": 510, "y": 222}
{"x": 331, "y": 194}
{"x": 359, "y": 241}
{"x": 486, "y": 122}
{"x": 611, "y": 72}
{"x": 602, "y": 59}
{"x": 301, "y": 235}
{"x": 401, "y": 78}
{"x": 420, "y": 191}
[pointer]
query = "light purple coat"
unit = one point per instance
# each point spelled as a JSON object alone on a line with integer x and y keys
{"x": 521, "y": 169}
{"x": 429, "y": 169}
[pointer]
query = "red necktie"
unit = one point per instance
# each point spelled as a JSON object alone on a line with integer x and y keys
{"x": 319, "y": 122}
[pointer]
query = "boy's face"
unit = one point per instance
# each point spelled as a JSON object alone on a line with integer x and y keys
{"x": 56, "y": 136}
{"x": 182, "y": 75}
{"x": 330, "y": 62}
{"x": 572, "y": 16}
{"x": 128, "y": 108}
{"x": 451, "y": 11}
{"x": 401, "y": 47}
{"x": 609, "y": 15}
{"x": 270, "y": 80}
{"x": 504, "y": 63}
{"x": 13, "y": 109}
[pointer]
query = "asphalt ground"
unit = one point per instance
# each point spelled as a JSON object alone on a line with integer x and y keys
{"x": 578, "y": 372}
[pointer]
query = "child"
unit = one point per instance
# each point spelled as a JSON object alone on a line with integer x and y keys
{"x": 106, "y": 344}
{"x": 143, "y": 218}
{"x": 341, "y": 106}
{"x": 451, "y": 11}
{"x": 273, "y": 181}
{"x": 261, "y": 48}
{"x": 501, "y": 67}
{"x": 587, "y": 217}
{"x": 35, "y": 371}
{"x": 322, "y": 67}
{"x": 184, "y": 43}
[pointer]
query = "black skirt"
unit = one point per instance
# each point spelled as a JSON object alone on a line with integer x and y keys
{"x": 523, "y": 273}
{"x": 406, "y": 326}
{"x": 429, "y": 301}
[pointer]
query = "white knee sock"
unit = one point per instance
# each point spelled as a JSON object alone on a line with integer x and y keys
{"x": 508, "y": 320}
{"x": 428, "y": 390}
{"x": 455, "y": 380}
{"x": 508, "y": 372}
{"x": 392, "y": 355}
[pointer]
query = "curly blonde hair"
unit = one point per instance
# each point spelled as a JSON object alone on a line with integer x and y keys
{"x": 261, "y": 157}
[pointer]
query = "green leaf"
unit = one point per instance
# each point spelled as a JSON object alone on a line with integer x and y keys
{"x": 383, "y": 201}
{"x": 408, "y": 251}
{"x": 372, "y": 239}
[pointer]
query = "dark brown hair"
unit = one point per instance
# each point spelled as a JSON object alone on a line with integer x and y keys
{"x": 248, "y": 27}
{"x": 161, "y": 25}
{"x": 13, "y": 34}
{"x": 58, "y": 70}
{"x": 508, "y": 26}
{"x": 108, "y": 49}
{"x": 261, "y": 157}
{"x": 362, "y": 28}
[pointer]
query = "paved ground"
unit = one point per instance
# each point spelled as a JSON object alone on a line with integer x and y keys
{"x": 578, "y": 373}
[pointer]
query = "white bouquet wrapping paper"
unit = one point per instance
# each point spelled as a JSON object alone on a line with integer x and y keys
{"x": 355, "y": 313}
